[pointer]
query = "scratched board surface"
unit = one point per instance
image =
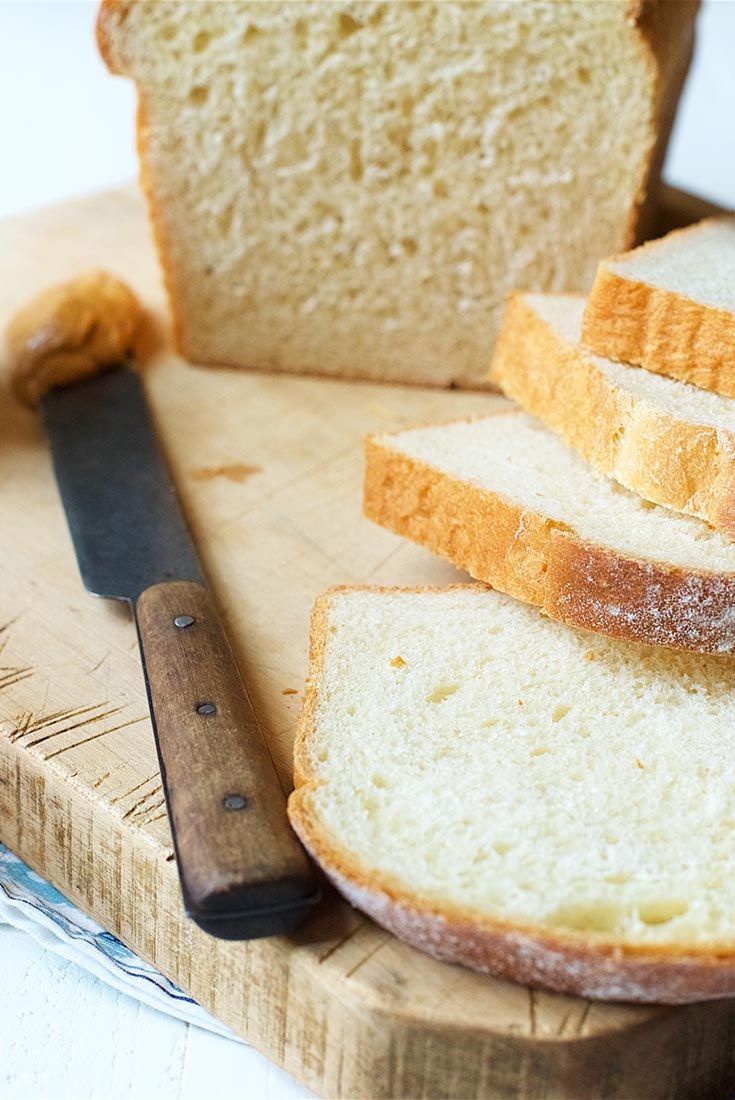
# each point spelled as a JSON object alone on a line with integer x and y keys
{"x": 270, "y": 471}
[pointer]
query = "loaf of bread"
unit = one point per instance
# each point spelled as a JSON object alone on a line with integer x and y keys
{"x": 503, "y": 498}
{"x": 669, "y": 306}
{"x": 350, "y": 188}
{"x": 533, "y": 801}
{"x": 670, "y": 442}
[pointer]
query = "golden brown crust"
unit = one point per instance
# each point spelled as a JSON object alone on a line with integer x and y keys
{"x": 683, "y": 465}
{"x": 307, "y": 716}
{"x": 158, "y": 227}
{"x": 71, "y": 331}
{"x": 660, "y": 330}
{"x": 593, "y": 966}
{"x": 111, "y": 15}
{"x": 545, "y": 562}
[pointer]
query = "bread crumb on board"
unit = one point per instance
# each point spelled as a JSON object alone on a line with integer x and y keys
{"x": 232, "y": 471}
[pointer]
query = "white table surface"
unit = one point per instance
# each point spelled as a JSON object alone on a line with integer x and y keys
{"x": 67, "y": 128}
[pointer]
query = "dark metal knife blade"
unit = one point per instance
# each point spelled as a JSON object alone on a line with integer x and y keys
{"x": 243, "y": 872}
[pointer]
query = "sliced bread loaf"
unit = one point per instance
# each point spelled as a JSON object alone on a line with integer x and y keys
{"x": 537, "y": 802}
{"x": 671, "y": 443}
{"x": 669, "y": 306}
{"x": 350, "y": 187}
{"x": 503, "y": 498}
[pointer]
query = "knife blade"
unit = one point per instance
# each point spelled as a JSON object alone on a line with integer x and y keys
{"x": 243, "y": 872}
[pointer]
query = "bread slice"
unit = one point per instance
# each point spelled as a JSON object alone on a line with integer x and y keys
{"x": 537, "y": 802}
{"x": 671, "y": 443}
{"x": 503, "y": 498}
{"x": 349, "y": 188}
{"x": 669, "y": 306}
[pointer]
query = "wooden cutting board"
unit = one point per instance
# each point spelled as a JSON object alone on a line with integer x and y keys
{"x": 269, "y": 469}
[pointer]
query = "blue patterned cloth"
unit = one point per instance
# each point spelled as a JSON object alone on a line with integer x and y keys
{"x": 33, "y": 905}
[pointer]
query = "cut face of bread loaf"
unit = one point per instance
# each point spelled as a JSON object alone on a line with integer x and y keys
{"x": 505, "y": 499}
{"x": 671, "y": 443}
{"x": 350, "y": 188}
{"x": 669, "y": 306}
{"x": 541, "y": 803}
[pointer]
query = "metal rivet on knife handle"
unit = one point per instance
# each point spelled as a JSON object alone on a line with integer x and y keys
{"x": 235, "y": 852}
{"x": 234, "y": 802}
{"x": 183, "y": 621}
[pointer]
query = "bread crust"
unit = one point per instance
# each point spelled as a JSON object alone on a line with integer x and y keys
{"x": 545, "y": 562}
{"x": 594, "y": 966}
{"x": 686, "y": 466}
{"x": 110, "y": 16}
{"x": 660, "y": 330}
{"x": 665, "y": 38}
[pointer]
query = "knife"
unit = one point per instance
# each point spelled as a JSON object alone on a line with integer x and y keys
{"x": 243, "y": 872}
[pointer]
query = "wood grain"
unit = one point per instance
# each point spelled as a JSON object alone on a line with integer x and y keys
{"x": 242, "y": 870}
{"x": 340, "y": 1004}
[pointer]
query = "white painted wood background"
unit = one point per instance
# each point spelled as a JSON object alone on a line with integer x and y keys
{"x": 65, "y": 1034}
{"x": 67, "y": 129}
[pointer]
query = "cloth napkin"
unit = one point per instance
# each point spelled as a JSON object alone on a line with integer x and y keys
{"x": 34, "y": 906}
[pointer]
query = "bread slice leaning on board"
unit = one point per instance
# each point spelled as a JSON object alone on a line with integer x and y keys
{"x": 349, "y": 188}
{"x": 540, "y": 803}
{"x": 669, "y": 442}
{"x": 669, "y": 306}
{"x": 503, "y": 498}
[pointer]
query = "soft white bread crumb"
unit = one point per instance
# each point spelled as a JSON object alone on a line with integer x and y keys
{"x": 670, "y": 306}
{"x": 688, "y": 403}
{"x": 505, "y": 499}
{"x": 350, "y": 188}
{"x": 697, "y": 263}
{"x": 670, "y": 442}
{"x": 516, "y": 457}
{"x": 536, "y": 801}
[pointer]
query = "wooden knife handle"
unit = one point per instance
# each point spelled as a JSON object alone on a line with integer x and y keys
{"x": 243, "y": 872}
